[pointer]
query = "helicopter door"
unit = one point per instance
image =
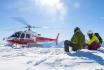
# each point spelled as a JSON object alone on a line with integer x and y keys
{"x": 28, "y": 36}
{"x": 22, "y": 35}
{"x": 18, "y": 34}
{"x": 34, "y": 36}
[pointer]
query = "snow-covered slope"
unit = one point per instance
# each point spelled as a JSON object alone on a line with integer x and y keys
{"x": 103, "y": 44}
{"x": 50, "y": 59}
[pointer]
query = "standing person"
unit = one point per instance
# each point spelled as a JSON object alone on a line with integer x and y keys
{"x": 94, "y": 42}
{"x": 77, "y": 41}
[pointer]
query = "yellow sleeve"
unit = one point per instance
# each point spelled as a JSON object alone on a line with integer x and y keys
{"x": 91, "y": 41}
{"x": 94, "y": 38}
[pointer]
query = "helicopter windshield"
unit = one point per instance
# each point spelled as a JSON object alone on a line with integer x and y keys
{"x": 17, "y": 34}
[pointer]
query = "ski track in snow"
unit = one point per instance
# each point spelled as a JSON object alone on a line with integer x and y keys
{"x": 50, "y": 59}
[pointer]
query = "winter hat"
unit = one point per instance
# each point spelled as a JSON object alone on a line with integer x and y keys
{"x": 77, "y": 28}
{"x": 89, "y": 32}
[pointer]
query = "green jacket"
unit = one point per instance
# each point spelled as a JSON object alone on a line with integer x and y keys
{"x": 78, "y": 39}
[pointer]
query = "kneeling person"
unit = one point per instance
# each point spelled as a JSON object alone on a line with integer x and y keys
{"x": 77, "y": 41}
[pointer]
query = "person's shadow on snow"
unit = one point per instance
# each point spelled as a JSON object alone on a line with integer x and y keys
{"x": 101, "y": 50}
{"x": 89, "y": 55}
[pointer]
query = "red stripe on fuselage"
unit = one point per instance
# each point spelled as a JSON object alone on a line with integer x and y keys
{"x": 21, "y": 41}
{"x": 42, "y": 39}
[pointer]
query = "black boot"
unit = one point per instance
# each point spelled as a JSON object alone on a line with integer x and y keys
{"x": 66, "y": 46}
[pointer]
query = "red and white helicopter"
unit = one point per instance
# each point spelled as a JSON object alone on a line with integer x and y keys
{"x": 29, "y": 38}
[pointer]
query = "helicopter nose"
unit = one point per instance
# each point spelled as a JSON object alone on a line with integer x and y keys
{"x": 9, "y": 38}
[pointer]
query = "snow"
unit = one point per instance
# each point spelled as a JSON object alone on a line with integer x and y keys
{"x": 50, "y": 59}
{"x": 102, "y": 44}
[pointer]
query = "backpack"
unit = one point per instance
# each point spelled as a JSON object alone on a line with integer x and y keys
{"x": 99, "y": 37}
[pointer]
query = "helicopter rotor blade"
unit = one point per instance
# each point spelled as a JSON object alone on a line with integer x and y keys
{"x": 28, "y": 26}
{"x": 24, "y": 22}
{"x": 36, "y": 27}
{"x": 45, "y": 27}
{"x": 20, "y": 20}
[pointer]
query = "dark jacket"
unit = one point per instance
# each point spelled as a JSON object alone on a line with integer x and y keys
{"x": 78, "y": 39}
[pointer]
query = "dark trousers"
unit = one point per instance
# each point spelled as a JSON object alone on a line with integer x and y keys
{"x": 67, "y": 44}
{"x": 94, "y": 46}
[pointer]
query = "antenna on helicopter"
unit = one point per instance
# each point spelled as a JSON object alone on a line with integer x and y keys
{"x": 28, "y": 26}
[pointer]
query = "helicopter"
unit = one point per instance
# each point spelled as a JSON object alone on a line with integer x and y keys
{"x": 29, "y": 37}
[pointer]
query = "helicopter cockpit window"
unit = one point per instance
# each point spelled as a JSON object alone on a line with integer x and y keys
{"x": 22, "y": 35}
{"x": 13, "y": 35}
{"x": 17, "y": 35}
{"x": 28, "y": 36}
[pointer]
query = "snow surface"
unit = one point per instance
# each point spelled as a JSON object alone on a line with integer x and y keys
{"x": 50, "y": 59}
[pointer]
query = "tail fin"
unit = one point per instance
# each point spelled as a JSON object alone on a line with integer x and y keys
{"x": 57, "y": 38}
